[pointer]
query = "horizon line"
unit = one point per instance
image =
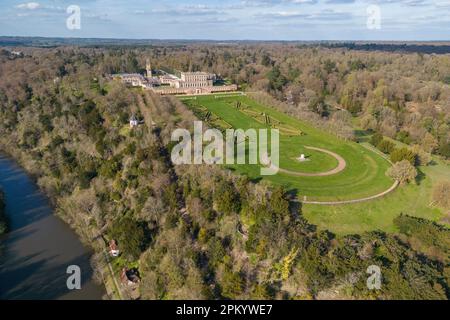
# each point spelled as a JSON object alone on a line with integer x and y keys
{"x": 221, "y": 40}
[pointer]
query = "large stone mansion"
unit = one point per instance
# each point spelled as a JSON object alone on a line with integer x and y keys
{"x": 166, "y": 84}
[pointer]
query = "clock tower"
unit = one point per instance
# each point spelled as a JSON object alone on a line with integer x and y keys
{"x": 148, "y": 67}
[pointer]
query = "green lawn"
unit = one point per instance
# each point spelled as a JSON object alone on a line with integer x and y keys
{"x": 363, "y": 176}
{"x": 414, "y": 200}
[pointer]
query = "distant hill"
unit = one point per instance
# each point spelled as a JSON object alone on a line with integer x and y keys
{"x": 437, "y": 47}
{"x": 417, "y": 47}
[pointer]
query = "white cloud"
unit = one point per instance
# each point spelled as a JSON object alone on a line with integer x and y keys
{"x": 188, "y": 10}
{"x": 28, "y": 5}
{"x": 303, "y": 1}
{"x": 443, "y": 4}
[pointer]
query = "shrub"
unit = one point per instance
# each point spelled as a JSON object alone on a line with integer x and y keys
{"x": 216, "y": 251}
{"x": 30, "y": 138}
{"x": 276, "y": 79}
{"x": 46, "y": 122}
{"x": 227, "y": 198}
{"x": 425, "y": 236}
{"x": 56, "y": 141}
{"x": 376, "y": 139}
{"x": 403, "y": 172}
{"x": 278, "y": 202}
{"x": 444, "y": 150}
{"x": 404, "y": 137}
{"x": 398, "y": 155}
{"x": 447, "y": 80}
{"x": 422, "y": 158}
{"x": 429, "y": 143}
{"x": 110, "y": 167}
{"x": 441, "y": 194}
{"x": 386, "y": 146}
{"x": 232, "y": 284}
{"x": 260, "y": 292}
{"x": 130, "y": 236}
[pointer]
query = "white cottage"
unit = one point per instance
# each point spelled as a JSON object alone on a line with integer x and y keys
{"x": 133, "y": 122}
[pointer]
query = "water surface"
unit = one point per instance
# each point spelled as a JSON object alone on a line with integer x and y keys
{"x": 39, "y": 247}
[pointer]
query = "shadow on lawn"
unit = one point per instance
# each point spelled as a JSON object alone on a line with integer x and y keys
{"x": 420, "y": 177}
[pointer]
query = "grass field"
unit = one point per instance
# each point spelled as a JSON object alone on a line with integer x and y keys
{"x": 363, "y": 176}
{"x": 414, "y": 200}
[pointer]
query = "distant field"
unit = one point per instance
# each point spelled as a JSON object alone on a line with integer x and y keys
{"x": 363, "y": 176}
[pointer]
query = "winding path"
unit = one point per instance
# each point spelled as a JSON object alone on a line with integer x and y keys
{"x": 331, "y": 203}
{"x": 379, "y": 195}
{"x": 340, "y": 167}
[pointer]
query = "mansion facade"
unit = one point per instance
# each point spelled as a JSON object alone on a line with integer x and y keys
{"x": 196, "y": 80}
{"x": 169, "y": 84}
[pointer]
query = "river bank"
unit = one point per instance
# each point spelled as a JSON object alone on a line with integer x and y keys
{"x": 39, "y": 246}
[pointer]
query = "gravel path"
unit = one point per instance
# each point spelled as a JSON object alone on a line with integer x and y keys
{"x": 341, "y": 166}
{"x": 331, "y": 203}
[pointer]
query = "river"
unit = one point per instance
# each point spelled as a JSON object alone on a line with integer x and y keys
{"x": 40, "y": 246}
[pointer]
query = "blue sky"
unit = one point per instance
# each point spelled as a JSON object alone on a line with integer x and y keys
{"x": 230, "y": 20}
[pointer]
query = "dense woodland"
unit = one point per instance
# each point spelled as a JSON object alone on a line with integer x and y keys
{"x": 200, "y": 232}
